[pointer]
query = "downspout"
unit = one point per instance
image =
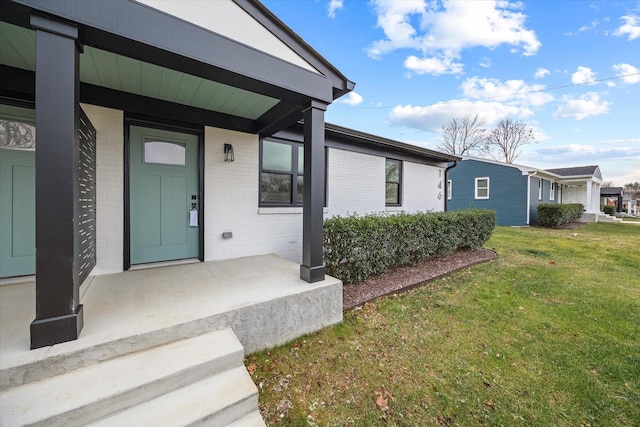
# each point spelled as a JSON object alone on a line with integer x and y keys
{"x": 446, "y": 184}
{"x": 529, "y": 196}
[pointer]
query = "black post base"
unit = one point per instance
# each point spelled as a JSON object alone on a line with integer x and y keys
{"x": 312, "y": 274}
{"x": 56, "y": 330}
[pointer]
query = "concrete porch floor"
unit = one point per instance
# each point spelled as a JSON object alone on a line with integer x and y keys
{"x": 261, "y": 298}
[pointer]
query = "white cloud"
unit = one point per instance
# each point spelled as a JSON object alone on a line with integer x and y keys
{"x": 485, "y": 62}
{"x": 583, "y": 75}
{"x": 516, "y": 92}
{"x": 431, "y": 117}
{"x": 631, "y": 74}
{"x": 582, "y": 107}
{"x": 352, "y": 99}
{"x": 578, "y": 152}
{"x": 334, "y": 5}
{"x": 630, "y": 28}
{"x": 541, "y": 72}
{"x": 434, "y": 66}
{"x": 442, "y": 30}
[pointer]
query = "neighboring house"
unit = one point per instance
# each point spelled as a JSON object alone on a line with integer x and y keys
{"x": 124, "y": 143}
{"x": 612, "y": 196}
{"x": 629, "y": 205}
{"x": 581, "y": 184}
{"x": 515, "y": 191}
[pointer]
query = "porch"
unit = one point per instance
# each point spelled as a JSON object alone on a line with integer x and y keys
{"x": 261, "y": 298}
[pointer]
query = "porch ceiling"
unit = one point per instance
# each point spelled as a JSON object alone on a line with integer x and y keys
{"x": 113, "y": 71}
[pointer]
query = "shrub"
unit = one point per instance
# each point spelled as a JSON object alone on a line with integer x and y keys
{"x": 554, "y": 214}
{"x": 356, "y": 247}
{"x": 609, "y": 210}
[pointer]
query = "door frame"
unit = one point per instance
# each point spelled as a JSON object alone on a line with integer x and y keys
{"x": 168, "y": 125}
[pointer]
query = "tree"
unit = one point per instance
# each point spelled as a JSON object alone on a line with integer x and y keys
{"x": 463, "y": 136}
{"x": 633, "y": 188}
{"x": 607, "y": 184}
{"x": 505, "y": 142}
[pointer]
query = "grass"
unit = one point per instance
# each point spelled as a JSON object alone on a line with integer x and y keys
{"x": 630, "y": 219}
{"x": 548, "y": 334}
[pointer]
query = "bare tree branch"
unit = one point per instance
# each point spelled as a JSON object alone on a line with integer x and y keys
{"x": 463, "y": 136}
{"x": 505, "y": 142}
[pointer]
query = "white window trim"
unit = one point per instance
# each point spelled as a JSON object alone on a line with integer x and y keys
{"x": 476, "y": 187}
{"x": 449, "y": 189}
{"x": 552, "y": 191}
{"x": 539, "y": 189}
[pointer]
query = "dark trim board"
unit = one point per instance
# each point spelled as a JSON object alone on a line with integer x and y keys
{"x": 131, "y": 119}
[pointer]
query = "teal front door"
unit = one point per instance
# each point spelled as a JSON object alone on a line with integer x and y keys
{"x": 163, "y": 191}
{"x": 17, "y": 213}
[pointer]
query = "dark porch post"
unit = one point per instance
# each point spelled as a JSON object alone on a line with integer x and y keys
{"x": 312, "y": 268}
{"x": 58, "y": 310}
{"x": 619, "y": 204}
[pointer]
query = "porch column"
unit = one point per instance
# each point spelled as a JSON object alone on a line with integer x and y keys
{"x": 59, "y": 315}
{"x": 312, "y": 268}
{"x": 589, "y": 201}
{"x": 619, "y": 204}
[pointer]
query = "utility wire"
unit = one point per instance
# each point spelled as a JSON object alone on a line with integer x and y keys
{"x": 513, "y": 95}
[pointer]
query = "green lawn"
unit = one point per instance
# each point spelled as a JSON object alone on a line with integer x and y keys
{"x": 547, "y": 335}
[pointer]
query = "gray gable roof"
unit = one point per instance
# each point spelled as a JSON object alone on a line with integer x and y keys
{"x": 611, "y": 191}
{"x": 577, "y": 171}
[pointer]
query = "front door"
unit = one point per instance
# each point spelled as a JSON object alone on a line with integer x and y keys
{"x": 163, "y": 192}
{"x": 17, "y": 212}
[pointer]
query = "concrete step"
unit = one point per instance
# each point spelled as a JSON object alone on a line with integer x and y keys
{"x": 225, "y": 399}
{"x": 83, "y": 395}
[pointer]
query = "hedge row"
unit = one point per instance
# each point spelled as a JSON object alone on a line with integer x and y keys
{"x": 356, "y": 247}
{"x": 555, "y": 214}
{"x": 609, "y": 210}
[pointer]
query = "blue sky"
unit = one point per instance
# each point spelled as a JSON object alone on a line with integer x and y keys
{"x": 569, "y": 69}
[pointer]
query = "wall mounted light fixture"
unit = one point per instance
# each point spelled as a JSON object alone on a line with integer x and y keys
{"x": 228, "y": 153}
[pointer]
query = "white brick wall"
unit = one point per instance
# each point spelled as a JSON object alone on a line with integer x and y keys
{"x": 231, "y": 197}
{"x": 355, "y": 184}
{"x": 109, "y": 187}
{"x": 420, "y": 189}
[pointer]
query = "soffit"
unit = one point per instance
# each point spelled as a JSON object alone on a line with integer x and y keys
{"x": 118, "y": 72}
{"x": 226, "y": 18}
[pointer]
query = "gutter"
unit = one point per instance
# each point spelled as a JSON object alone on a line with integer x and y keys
{"x": 529, "y": 196}
{"x": 446, "y": 184}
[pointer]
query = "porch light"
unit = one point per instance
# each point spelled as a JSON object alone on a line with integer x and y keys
{"x": 228, "y": 153}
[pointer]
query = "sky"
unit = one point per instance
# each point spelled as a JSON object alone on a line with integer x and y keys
{"x": 570, "y": 69}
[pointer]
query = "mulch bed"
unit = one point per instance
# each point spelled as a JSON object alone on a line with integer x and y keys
{"x": 405, "y": 278}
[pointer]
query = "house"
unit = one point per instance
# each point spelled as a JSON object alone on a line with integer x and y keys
{"x": 514, "y": 191}
{"x": 139, "y": 134}
{"x": 611, "y": 196}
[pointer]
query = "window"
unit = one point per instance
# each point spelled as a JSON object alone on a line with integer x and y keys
{"x": 281, "y": 173}
{"x": 449, "y": 189}
{"x": 482, "y": 188}
{"x": 552, "y": 191}
{"x": 539, "y": 189}
{"x": 393, "y": 173}
{"x": 165, "y": 153}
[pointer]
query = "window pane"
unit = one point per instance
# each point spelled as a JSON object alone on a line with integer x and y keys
{"x": 275, "y": 187}
{"x": 482, "y": 183}
{"x": 392, "y": 194}
{"x": 300, "y": 189}
{"x": 393, "y": 170}
{"x": 166, "y": 153}
{"x": 276, "y": 156}
{"x": 483, "y": 192}
{"x": 300, "y": 159}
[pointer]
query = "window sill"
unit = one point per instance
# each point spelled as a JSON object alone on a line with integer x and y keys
{"x": 284, "y": 210}
{"x": 394, "y": 209}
